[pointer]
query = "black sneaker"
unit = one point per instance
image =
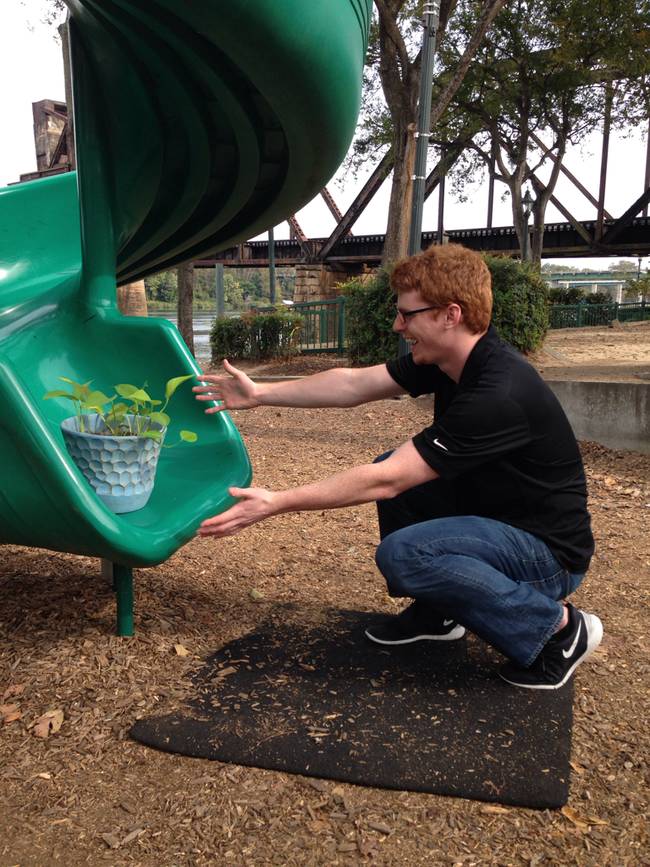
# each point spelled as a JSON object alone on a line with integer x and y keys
{"x": 415, "y": 623}
{"x": 560, "y": 656}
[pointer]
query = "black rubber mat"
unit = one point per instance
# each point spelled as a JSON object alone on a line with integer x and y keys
{"x": 319, "y": 699}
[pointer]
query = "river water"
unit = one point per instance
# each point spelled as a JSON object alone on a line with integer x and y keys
{"x": 203, "y": 320}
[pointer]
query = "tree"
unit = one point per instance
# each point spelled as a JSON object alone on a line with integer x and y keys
{"x": 637, "y": 290}
{"x": 553, "y": 268}
{"x": 162, "y": 286}
{"x": 566, "y": 295}
{"x": 185, "y": 301}
{"x": 54, "y": 11}
{"x": 548, "y": 72}
{"x": 394, "y": 61}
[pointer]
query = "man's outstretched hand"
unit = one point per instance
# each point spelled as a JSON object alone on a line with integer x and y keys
{"x": 235, "y": 391}
{"x": 255, "y": 504}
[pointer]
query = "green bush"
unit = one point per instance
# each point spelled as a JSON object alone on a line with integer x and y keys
{"x": 256, "y": 336}
{"x": 229, "y": 338}
{"x": 369, "y": 316}
{"x": 520, "y": 312}
{"x": 566, "y": 295}
{"x": 598, "y": 298}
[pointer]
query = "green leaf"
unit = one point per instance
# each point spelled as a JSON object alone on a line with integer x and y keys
{"x": 189, "y": 436}
{"x": 51, "y": 394}
{"x": 140, "y": 395}
{"x": 152, "y": 435}
{"x": 97, "y": 398}
{"x": 80, "y": 391}
{"x": 126, "y": 390}
{"x": 160, "y": 417}
{"x": 173, "y": 384}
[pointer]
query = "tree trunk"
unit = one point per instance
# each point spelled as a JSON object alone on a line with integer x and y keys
{"x": 185, "y": 300}
{"x": 401, "y": 198}
{"x": 132, "y": 300}
{"x": 517, "y": 207}
{"x": 537, "y": 244}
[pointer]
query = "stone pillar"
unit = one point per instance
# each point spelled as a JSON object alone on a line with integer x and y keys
{"x": 317, "y": 283}
{"x": 49, "y": 121}
{"x": 131, "y": 299}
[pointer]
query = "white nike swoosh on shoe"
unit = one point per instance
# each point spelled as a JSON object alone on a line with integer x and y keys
{"x": 567, "y": 653}
{"x": 447, "y": 622}
{"x": 437, "y": 442}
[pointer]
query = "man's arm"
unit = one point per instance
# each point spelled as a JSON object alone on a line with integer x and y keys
{"x": 363, "y": 484}
{"x": 340, "y": 387}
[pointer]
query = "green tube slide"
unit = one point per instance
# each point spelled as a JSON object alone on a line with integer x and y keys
{"x": 199, "y": 124}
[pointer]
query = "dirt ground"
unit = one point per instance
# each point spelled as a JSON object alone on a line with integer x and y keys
{"x": 620, "y": 353}
{"x": 88, "y": 795}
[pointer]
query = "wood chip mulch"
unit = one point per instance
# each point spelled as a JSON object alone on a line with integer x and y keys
{"x": 75, "y": 790}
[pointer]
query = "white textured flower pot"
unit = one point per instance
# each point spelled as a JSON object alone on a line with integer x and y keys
{"x": 121, "y": 470}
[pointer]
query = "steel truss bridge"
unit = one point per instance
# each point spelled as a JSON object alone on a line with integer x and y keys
{"x": 560, "y": 240}
{"x": 627, "y": 235}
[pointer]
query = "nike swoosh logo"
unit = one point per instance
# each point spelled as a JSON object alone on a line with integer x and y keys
{"x": 567, "y": 653}
{"x": 447, "y": 622}
{"x": 437, "y": 442}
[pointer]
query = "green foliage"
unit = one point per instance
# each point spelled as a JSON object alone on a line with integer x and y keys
{"x": 132, "y": 415}
{"x": 256, "y": 336}
{"x": 229, "y": 338}
{"x": 162, "y": 287}
{"x": 551, "y": 268}
{"x": 623, "y": 266}
{"x": 242, "y": 286}
{"x": 520, "y": 312}
{"x": 598, "y": 298}
{"x": 369, "y": 316}
{"x": 634, "y": 289}
{"x": 539, "y": 72}
{"x": 566, "y": 295}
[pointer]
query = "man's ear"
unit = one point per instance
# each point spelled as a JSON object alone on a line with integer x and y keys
{"x": 454, "y": 315}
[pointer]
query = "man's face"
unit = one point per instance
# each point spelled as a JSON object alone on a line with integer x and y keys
{"x": 425, "y": 331}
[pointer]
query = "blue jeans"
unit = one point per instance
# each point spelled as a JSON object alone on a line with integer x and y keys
{"x": 500, "y": 582}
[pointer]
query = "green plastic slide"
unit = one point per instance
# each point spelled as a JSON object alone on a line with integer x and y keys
{"x": 199, "y": 124}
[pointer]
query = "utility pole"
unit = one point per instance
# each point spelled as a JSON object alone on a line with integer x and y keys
{"x": 271, "y": 266}
{"x": 219, "y": 285}
{"x": 423, "y": 133}
{"x": 528, "y": 205}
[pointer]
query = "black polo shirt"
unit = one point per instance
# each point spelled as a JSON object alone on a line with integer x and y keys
{"x": 502, "y": 436}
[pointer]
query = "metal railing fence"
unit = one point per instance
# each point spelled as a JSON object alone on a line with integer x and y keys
{"x": 584, "y": 314}
{"x": 323, "y": 328}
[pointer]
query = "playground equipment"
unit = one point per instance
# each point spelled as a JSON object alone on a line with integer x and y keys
{"x": 198, "y": 124}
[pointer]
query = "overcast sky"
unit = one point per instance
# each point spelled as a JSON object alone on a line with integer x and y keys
{"x": 31, "y": 70}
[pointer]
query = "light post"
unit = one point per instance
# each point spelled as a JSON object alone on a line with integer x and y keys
{"x": 527, "y": 202}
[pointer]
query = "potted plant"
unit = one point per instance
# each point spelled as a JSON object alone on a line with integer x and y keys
{"x": 116, "y": 441}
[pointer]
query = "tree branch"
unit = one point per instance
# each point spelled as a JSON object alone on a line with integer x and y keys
{"x": 391, "y": 29}
{"x": 490, "y": 11}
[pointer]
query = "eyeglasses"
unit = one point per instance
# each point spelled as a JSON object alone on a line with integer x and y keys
{"x": 405, "y": 315}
